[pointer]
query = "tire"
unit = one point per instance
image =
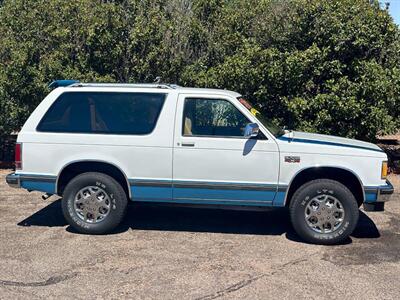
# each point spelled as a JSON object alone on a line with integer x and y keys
{"x": 94, "y": 203}
{"x": 324, "y": 212}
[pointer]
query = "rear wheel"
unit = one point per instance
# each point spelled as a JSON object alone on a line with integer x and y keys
{"x": 324, "y": 211}
{"x": 94, "y": 203}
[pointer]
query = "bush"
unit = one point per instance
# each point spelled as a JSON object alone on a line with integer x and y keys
{"x": 322, "y": 66}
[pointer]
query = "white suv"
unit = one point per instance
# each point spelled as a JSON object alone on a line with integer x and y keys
{"x": 98, "y": 145}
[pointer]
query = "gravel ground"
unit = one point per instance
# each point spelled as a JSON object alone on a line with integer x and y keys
{"x": 164, "y": 252}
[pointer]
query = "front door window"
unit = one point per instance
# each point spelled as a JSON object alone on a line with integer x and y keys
{"x": 212, "y": 117}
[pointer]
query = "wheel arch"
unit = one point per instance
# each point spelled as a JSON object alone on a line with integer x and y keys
{"x": 74, "y": 168}
{"x": 343, "y": 175}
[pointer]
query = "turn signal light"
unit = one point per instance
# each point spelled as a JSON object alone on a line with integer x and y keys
{"x": 384, "y": 172}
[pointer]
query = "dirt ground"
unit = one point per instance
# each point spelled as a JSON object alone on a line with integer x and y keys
{"x": 166, "y": 252}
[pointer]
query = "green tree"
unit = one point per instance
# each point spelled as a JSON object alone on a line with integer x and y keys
{"x": 315, "y": 65}
{"x": 326, "y": 66}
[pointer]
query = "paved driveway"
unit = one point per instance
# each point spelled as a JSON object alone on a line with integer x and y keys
{"x": 163, "y": 252}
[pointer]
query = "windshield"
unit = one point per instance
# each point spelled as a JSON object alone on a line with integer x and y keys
{"x": 274, "y": 129}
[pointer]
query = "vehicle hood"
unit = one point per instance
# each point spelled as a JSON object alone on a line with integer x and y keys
{"x": 328, "y": 140}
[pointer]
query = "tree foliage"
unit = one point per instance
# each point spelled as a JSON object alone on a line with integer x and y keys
{"x": 314, "y": 65}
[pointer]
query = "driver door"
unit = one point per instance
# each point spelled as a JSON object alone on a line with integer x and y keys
{"x": 212, "y": 162}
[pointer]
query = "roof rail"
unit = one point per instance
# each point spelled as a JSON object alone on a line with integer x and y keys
{"x": 76, "y": 83}
{"x": 63, "y": 82}
{"x": 127, "y": 85}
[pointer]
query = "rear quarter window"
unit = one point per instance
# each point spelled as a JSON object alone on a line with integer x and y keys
{"x": 103, "y": 112}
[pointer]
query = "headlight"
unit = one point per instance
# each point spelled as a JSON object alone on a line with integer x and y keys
{"x": 384, "y": 171}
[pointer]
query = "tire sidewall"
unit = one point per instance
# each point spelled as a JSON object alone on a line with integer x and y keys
{"x": 305, "y": 194}
{"x": 110, "y": 186}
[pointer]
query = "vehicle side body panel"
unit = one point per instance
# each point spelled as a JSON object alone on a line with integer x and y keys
{"x": 144, "y": 157}
{"x": 160, "y": 167}
{"x": 224, "y": 170}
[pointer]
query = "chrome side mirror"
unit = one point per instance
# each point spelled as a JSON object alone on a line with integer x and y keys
{"x": 251, "y": 130}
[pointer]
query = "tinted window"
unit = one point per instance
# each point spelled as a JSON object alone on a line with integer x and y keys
{"x": 96, "y": 112}
{"x": 208, "y": 117}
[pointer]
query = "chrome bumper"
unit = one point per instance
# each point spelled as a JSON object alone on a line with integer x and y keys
{"x": 378, "y": 196}
{"x": 384, "y": 192}
{"x": 13, "y": 180}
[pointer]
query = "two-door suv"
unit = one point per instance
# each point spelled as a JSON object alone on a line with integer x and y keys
{"x": 98, "y": 145}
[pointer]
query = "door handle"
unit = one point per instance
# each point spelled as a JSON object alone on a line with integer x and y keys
{"x": 187, "y": 144}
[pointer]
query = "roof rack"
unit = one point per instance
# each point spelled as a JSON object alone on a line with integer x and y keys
{"x": 127, "y": 85}
{"x": 76, "y": 83}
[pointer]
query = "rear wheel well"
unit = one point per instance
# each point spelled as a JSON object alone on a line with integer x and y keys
{"x": 77, "y": 168}
{"x": 343, "y": 176}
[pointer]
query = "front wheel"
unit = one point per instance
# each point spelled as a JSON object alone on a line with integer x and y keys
{"x": 324, "y": 211}
{"x": 94, "y": 203}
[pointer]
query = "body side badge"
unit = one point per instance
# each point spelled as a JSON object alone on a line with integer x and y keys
{"x": 292, "y": 159}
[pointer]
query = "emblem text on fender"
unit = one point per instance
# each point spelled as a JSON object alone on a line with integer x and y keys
{"x": 292, "y": 159}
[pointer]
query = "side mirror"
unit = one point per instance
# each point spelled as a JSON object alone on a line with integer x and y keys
{"x": 251, "y": 130}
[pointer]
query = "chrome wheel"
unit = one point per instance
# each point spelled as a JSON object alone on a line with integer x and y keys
{"x": 324, "y": 213}
{"x": 92, "y": 204}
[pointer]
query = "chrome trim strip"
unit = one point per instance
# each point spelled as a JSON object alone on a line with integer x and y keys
{"x": 150, "y": 183}
{"x": 387, "y": 189}
{"x": 371, "y": 189}
{"x": 384, "y": 190}
{"x": 226, "y": 186}
{"x": 207, "y": 185}
{"x": 225, "y": 200}
{"x": 282, "y": 188}
{"x": 41, "y": 178}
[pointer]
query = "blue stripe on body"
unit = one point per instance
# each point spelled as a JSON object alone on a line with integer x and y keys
{"x": 307, "y": 141}
{"x": 47, "y": 187}
{"x": 194, "y": 195}
{"x": 370, "y": 197}
{"x": 371, "y": 192}
{"x": 141, "y": 193}
{"x": 219, "y": 194}
{"x": 223, "y": 193}
{"x": 279, "y": 200}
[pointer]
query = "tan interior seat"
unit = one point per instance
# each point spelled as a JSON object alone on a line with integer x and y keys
{"x": 97, "y": 122}
{"x": 187, "y": 129}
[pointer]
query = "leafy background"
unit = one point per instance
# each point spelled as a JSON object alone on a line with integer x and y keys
{"x": 320, "y": 66}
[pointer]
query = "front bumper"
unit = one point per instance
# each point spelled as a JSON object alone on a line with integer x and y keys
{"x": 379, "y": 193}
{"x": 384, "y": 192}
{"x": 377, "y": 196}
{"x": 13, "y": 180}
